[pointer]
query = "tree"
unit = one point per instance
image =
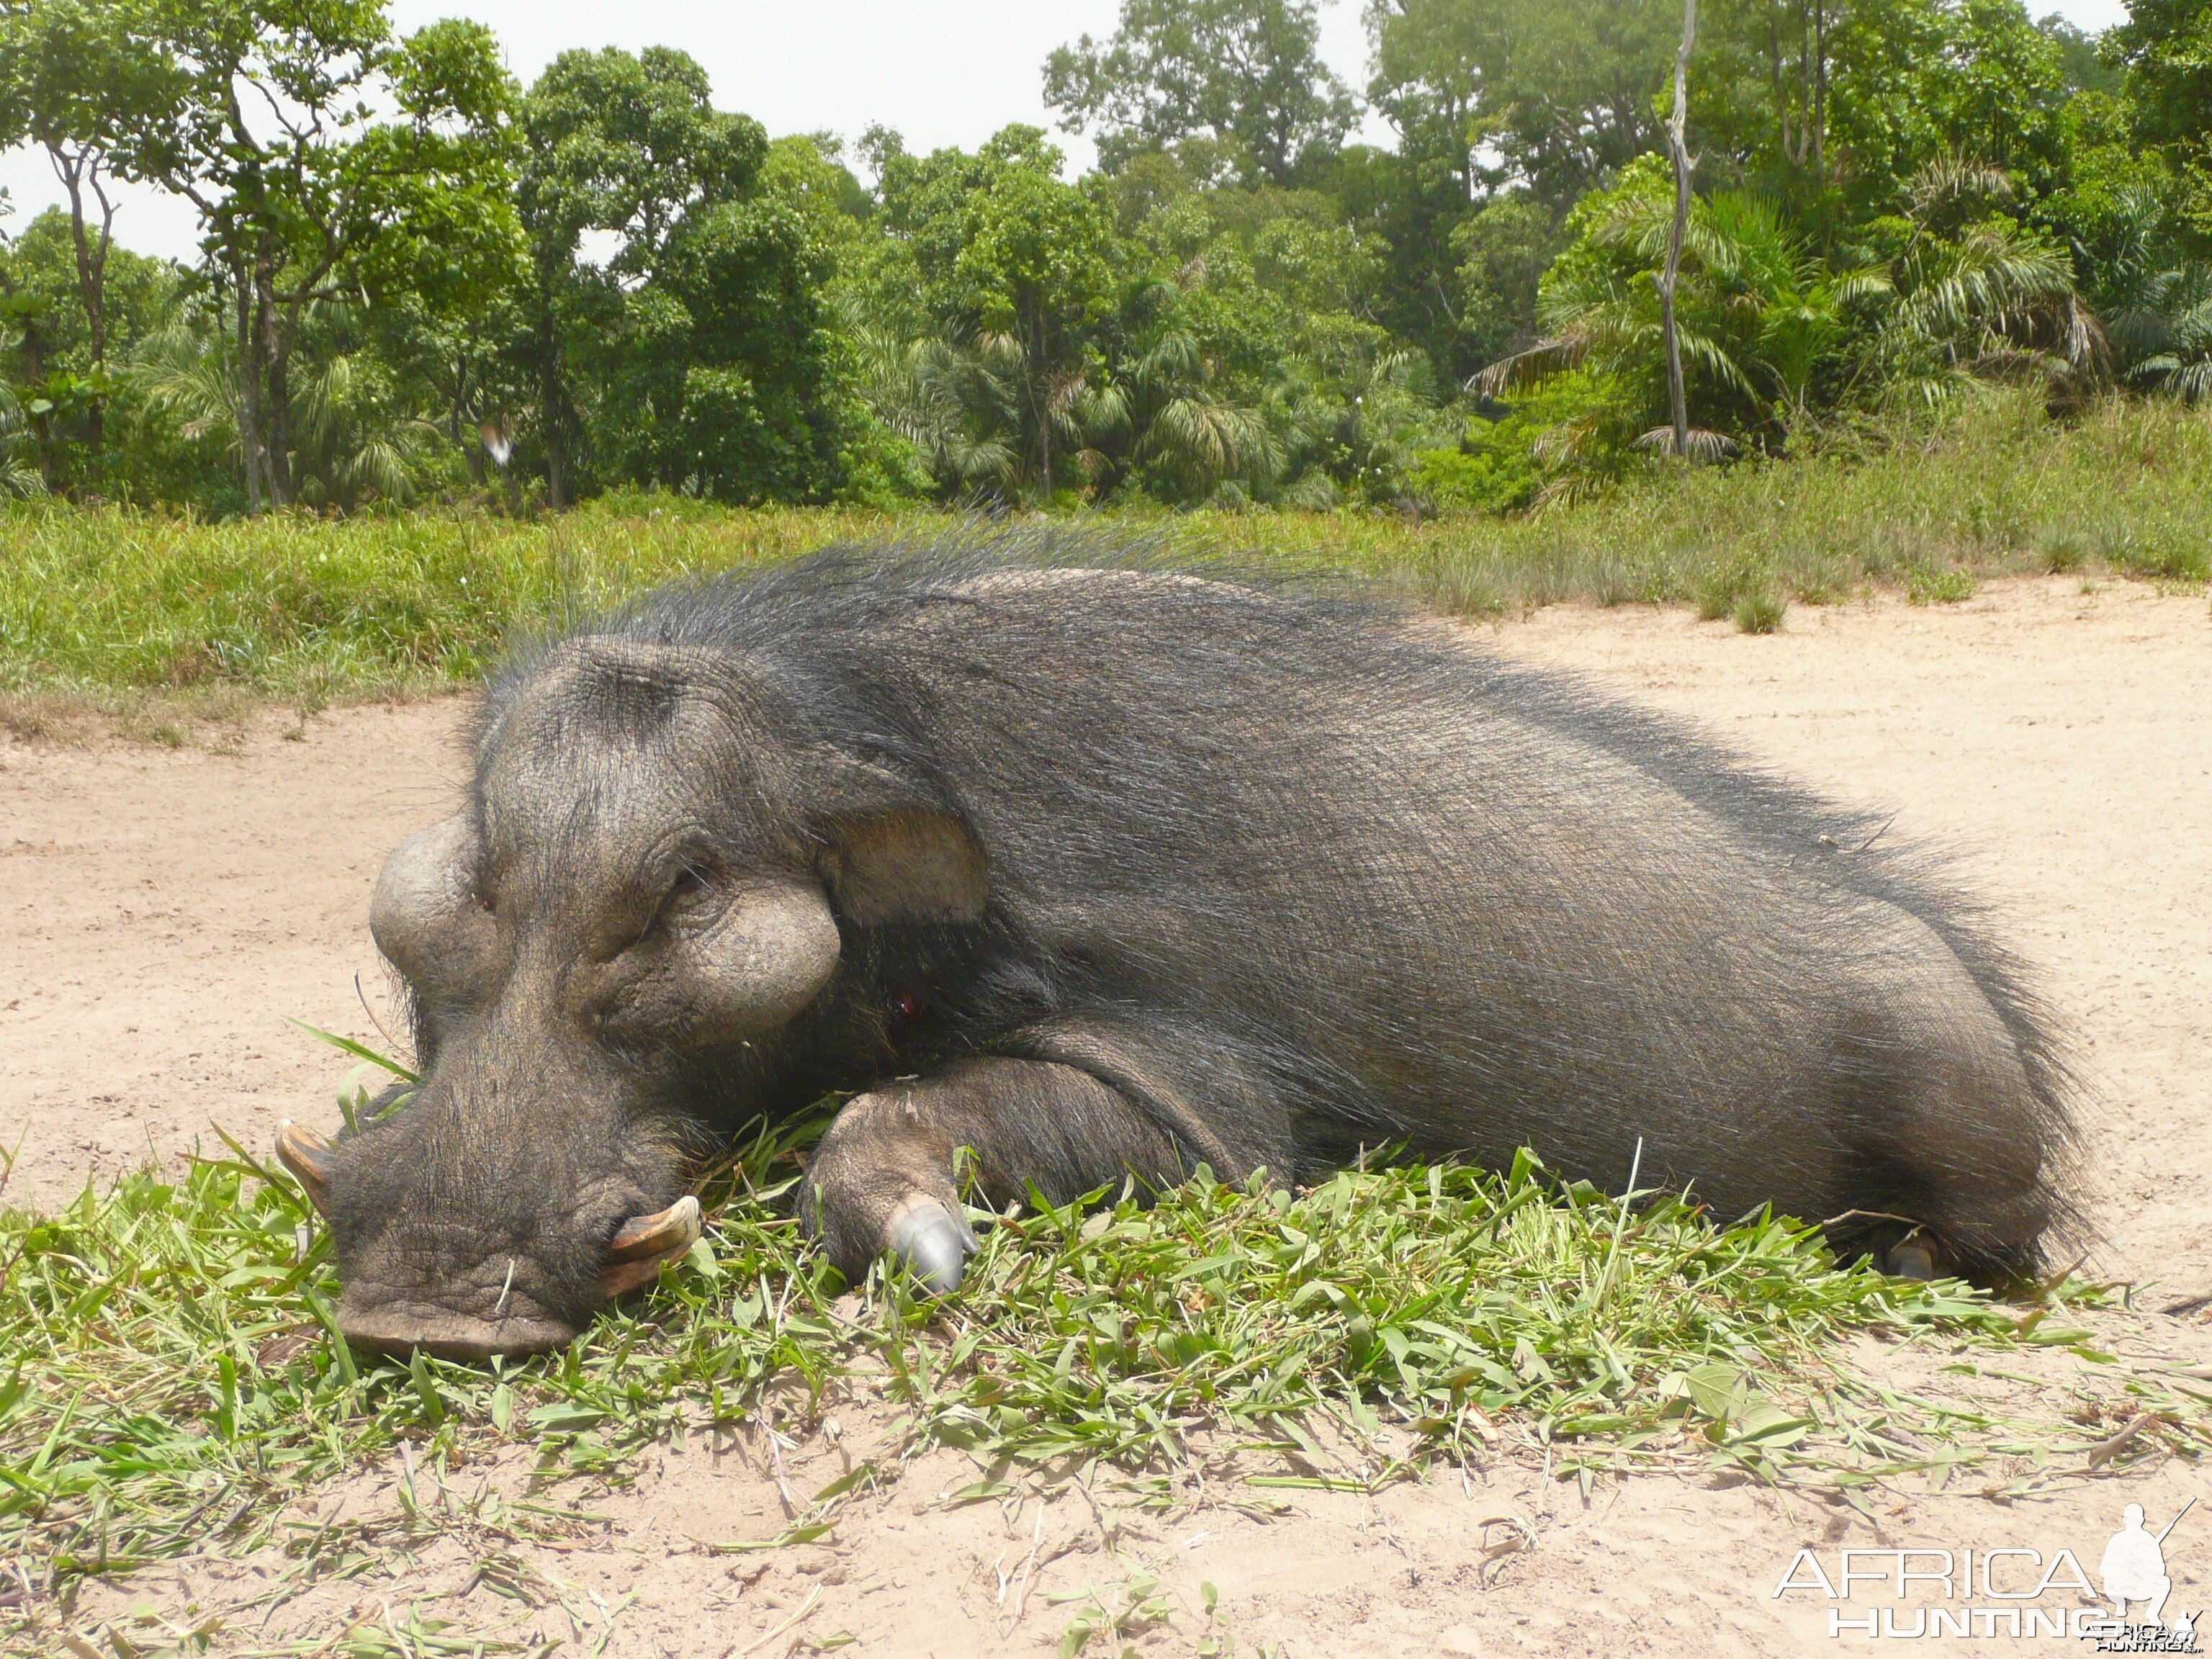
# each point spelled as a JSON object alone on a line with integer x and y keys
{"x": 66, "y": 374}
{"x": 1915, "y": 83}
{"x": 1012, "y": 265}
{"x": 1929, "y": 308}
{"x": 76, "y": 81}
{"x": 2165, "y": 47}
{"x": 679, "y": 333}
{"x": 1562, "y": 93}
{"x": 1243, "y": 76}
{"x": 1832, "y": 106}
{"x": 623, "y": 145}
{"x": 1765, "y": 85}
{"x": 1678, "y": 152}
{"x": 1752, "y": 314}
{"x": 1165, "y": 419}
{"x": 267, "y": 126}
{"x": 1989, "y": 300}
{"x": 1502, "y": 252}
{"x": 357, "y": 437}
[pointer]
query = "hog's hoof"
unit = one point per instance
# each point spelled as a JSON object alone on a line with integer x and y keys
{"x": 1915, "y": 1258}
{"x": 933, "y": 1242}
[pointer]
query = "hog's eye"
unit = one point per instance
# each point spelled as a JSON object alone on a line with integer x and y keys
{"x": 688, "y": 887}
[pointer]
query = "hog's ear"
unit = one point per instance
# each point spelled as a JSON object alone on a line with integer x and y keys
{"x": 423, "y": 913}
{"x": 906, "y": 866}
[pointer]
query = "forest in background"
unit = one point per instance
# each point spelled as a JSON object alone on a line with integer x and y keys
{"x": 422, "y": 281}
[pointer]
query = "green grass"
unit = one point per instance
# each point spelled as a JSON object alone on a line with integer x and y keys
{"x": 311, "y": 610}
{"x": 1758, "y": 613}
{"x": 172, "y": 1381}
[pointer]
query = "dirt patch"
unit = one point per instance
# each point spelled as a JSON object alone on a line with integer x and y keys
{"x": 163, "y": 910}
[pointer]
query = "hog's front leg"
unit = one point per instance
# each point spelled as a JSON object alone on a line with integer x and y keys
{"x": 882, "y": 1178}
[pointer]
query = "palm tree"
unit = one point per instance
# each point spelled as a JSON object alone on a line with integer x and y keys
{"x": 2155, "y": 303}
{"x": 19, "y": 470}
{"x": 2182, "y": 365}
{"x": 353, "y": 445}
{"x": 181, "y": 370}
{"x": 1994, "y": 302}
{"x": 1766, "y": 327}
{"x": 952, "y": 404}
{"x": 1754, "y": 316}
{"x": 1159, "y": 419}
{"x": 1349, "y": 410}
{"x": 352, "y": 440}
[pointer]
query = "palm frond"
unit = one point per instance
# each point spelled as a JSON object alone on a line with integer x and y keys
{"x": 1701, "y": 443}
{"x": 1527, "y": 369}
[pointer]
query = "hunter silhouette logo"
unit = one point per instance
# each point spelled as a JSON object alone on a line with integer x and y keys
{"x": 2134, "y": 1571}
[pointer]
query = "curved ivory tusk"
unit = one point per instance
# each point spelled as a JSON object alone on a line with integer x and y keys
{"x": 644, "y": 1236}
{"x": 619, "y": 1279}
{"x": 307, "y": 1156}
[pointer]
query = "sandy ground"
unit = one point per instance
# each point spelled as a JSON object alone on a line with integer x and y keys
{"x": 160, "y": 912}
{"x": 163, "y": 911}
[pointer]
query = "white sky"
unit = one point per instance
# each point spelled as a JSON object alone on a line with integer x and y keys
{"x": 940, "y": 72}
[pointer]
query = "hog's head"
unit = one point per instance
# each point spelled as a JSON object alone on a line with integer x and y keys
{"x": 615, "y": 952}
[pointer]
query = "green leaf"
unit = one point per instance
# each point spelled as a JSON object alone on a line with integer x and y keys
{"x": 358, "y": 1050}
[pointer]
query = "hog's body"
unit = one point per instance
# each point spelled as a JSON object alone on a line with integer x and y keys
{"x": 1134, "y": 871}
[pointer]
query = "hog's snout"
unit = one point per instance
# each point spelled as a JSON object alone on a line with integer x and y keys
{"x": 398, "y": 1329}
{"x": 454, "y": 1291}
{"x": 506, "y": 1306}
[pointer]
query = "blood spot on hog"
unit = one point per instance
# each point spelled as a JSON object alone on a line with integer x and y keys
{"x": 1104, "y": 873}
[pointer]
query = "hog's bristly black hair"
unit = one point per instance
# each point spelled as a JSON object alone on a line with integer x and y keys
{"x": 1097, "y": 867}
{"x": 1354, "y": 880}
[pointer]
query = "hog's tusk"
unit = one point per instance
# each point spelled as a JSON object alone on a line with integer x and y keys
{"x": 636, "y": 1256}
{"x": 307, "y": 1156}
{"x": 675, "y": 1228}
{"x": 619, "y": 1279}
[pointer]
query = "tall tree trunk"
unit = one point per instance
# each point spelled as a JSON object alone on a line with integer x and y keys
{"x": 1040, "y": 388}
{"x": 1774, "y": 67}
{"x": 77, "y": 171}
{"x": 553, "y": 405}
{"x": 554, "y": 411}
{"x": 1819, "y": 85}
{"x": 249, "y": 395}
{"x": 1678, "y": 147}
{"x": 1804, "y": 87}
{"x": 276, "y": 394}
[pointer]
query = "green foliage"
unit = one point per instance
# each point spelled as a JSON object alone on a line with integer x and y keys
{"x": 1239, "y": 84}
{"x": 610, "y": 283}
{"x": 1504, "y": 252}
{"x": 1564, "y": 94}
{"x": 1498, "y": 465}
{"x": 328, "y": 200}
{"x": 627, "y": 144}
{"x": 2165, "y": 48}
{"x": 693, "y": 352}
{"x": 1010, "y": 264}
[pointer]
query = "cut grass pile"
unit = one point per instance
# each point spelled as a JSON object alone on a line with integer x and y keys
{"x": 107, "y": 600}
{"x": 172, "y": 1382}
